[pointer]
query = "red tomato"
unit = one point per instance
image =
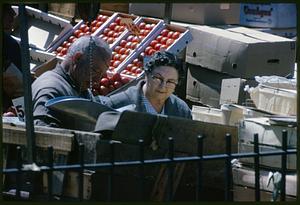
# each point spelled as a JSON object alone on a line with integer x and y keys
{"x": 148, "y": 27}
{"x": 142, "y": 25}
{"x": 117, "y": 48}
{"x": 123, "y": 57}
{"x": 116, "y": 63}
{"x": 104, "y": 82}
{"x": 110, "y": 33}
{"x": 117, "y": 84}
{"x": 157, "y": 46}
{"x": 116, "y": 35}
{"x": 116, "y": 77}
{"x": 164, "y": 32}
{"x": 86, "y": 29}
{"x": 158, "y": 38}
{"x": 129, "y": 66}
{"x": 112, "y": 26}
{"x": 110, "y": 40}
{"x": 94, "y": 23}
{"x": 129, "y": 38}
{"x": 133, "y": 69}
{"x": 122, "y": 28}
{"x": 103, "y": 90}
{"x": 128, "y": 45}
{"x": 135, "y": 61}
{"x": 169, "y": 42}
{"x": 122, "y": 50}
{"x": 83, "y": 27}
{"x": 123, "y": 43}
{"x": 152, "y": 51}
{"x": 125, "y": 80}
{"x": 59, "y": 49}
{"x": 99, "y": 17}
{"x": 77, "y": 33}
{"x": 117, "y": 28}
{"x": 176, "y": 35}
{"x": 68, "y": 44}
{"x": 81, "y": 34}
{"x": 116, "y": 56}
{"x": 87, "y": 33}
{"x": 65, "y": 43}
{"x": 94, "y": 29}
{"x": 163, "y": 40}
{"x": 170, "y": 34}
{"x": 127, "y": 52}
{"x": 118, "y": 20}
{"x": 147, "y": 50}
{"x": 153, "y": 43}
{"x": 104, "y": 18}
{"x": 163, "y": 47}
{"x": 135, "y": 39}
{"x": 138, "y": 71}
{"x": 134, "y": 45}
{"x": 64, "y": 51}
{"x": 98, "y": 24}
{"x": 105, "y": 31}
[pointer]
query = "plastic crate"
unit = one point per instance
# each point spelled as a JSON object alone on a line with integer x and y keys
{"x": 44, "y": 29}
{"x": 38, "y": 57}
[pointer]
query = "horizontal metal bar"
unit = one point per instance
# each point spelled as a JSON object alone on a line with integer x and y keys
{"x": 154, "y": 161}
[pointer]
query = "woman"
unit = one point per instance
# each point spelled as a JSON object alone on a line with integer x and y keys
{"x": 155, "y": 93}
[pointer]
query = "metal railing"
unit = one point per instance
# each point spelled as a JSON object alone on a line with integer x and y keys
{"x": 199, "y": 158}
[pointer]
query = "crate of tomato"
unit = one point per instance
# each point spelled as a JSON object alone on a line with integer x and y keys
{"x": 169, "y": 37}
{"x": 114, "y": 29}
{"x": 82, "y": 28}
{"x": 131, "y": 42}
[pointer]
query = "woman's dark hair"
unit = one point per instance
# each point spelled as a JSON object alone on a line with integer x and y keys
{"x": 162, "y": 58}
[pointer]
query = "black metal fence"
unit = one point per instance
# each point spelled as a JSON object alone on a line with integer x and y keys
{"x": 169, "y": 161}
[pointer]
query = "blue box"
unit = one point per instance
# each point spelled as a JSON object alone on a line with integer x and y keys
{"x": 268, "y": 15}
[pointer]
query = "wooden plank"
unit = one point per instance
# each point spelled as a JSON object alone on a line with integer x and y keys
{"x": 17, "y": 135}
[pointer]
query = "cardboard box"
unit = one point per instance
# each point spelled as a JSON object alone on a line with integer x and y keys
{"x": 229, "y": 114}
{"x": 269, "y": 15}
{"x": 244, "y": 176}
{"x": 275, "y": 99}
{"x": 232, "y": 90}
{"x": 269, "y": 139}
{"x": 43, "y": 29}
{"x": 197, "y": 13}
{"x": 240, "y": 51}
{"x": 204, "y": 86}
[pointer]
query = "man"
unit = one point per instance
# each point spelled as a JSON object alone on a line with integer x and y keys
{"x": 86, "y": 61}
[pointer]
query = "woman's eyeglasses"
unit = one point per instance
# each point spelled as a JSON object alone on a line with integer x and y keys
{"x": 161, "y": 81}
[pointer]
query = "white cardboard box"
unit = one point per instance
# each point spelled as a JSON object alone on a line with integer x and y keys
{"x": 240, "y": 52}
{"x": 197, "y": 13}
{"x": 43, "y": 29}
